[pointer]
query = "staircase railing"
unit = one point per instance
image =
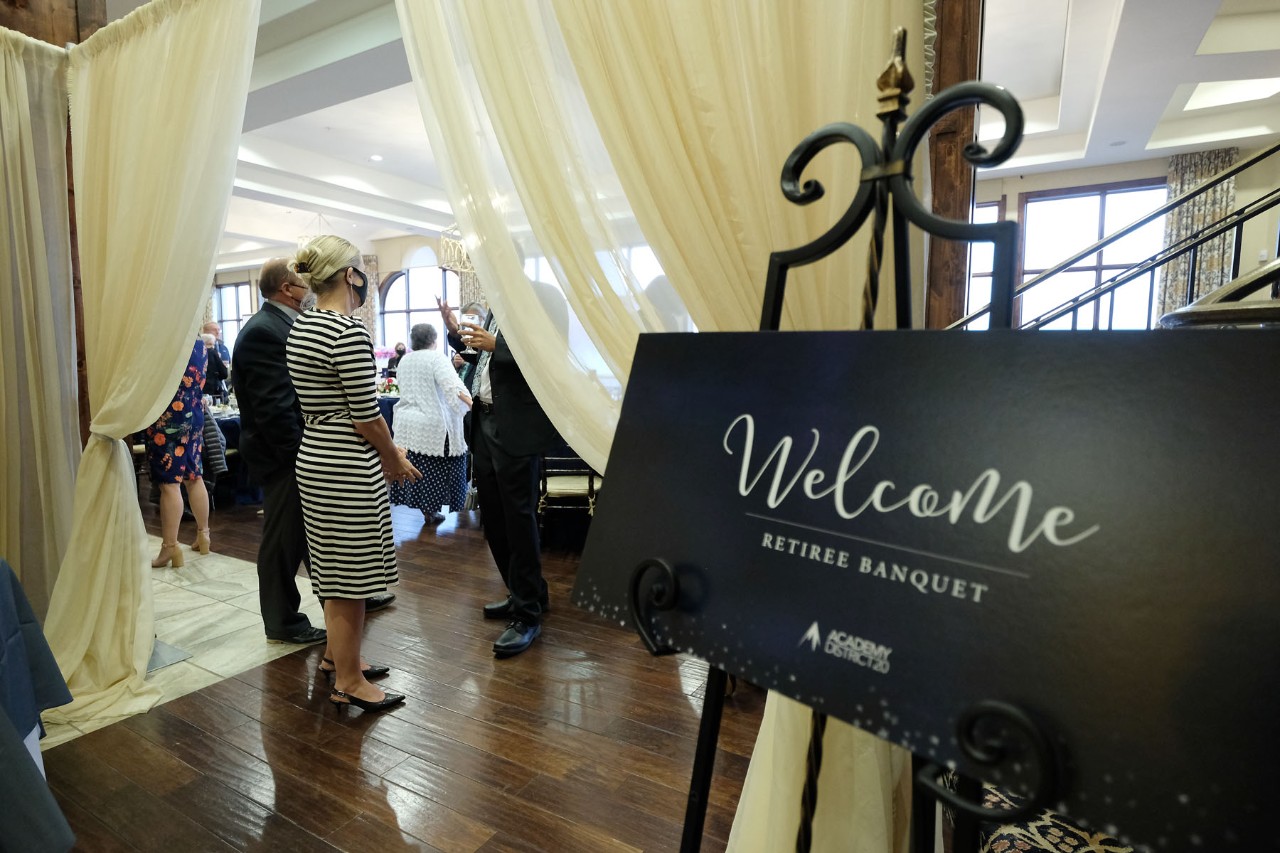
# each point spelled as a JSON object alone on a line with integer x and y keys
{"x": 1187, "y": 246}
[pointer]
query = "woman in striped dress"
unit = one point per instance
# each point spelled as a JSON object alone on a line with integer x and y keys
{"x": 346, "y": 458}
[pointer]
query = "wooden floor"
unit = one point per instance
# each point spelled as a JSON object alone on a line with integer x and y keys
{"x": 582, "y": 743}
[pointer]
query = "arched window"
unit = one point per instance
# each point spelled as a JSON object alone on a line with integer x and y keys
{"x": 409, "y": 297}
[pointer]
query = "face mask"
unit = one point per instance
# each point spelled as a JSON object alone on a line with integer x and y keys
{"x": 362, "y": 289}
{"x": 399, "y": 350}
{"x": 308, "y": 302}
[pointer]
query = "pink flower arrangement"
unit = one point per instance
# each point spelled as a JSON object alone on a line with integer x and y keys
{"x": 383, "y": 352}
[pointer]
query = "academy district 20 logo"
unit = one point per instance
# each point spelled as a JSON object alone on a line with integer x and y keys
{"x": 848, "y": 647}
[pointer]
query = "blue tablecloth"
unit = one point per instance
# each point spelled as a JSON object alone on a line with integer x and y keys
{"x": 387, "y": 406}
{"x": 245, "y": 490}
{"x": 230, "y": 427}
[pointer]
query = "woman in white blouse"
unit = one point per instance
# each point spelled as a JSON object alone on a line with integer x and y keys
{"x": 428, "y": 423}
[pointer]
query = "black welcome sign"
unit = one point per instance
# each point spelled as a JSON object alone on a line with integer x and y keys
{"x": 894, "y": 527}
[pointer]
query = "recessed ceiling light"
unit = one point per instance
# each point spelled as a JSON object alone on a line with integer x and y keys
{"x": 377, "y": 158}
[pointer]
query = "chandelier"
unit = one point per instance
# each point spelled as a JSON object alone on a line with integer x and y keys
{"x": 318, "y": 227}
{"x": 453, "y": 252}
{"x": 453, "y": 257}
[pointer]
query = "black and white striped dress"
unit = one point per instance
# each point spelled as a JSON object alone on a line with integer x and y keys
{"x": 344, "y": 496}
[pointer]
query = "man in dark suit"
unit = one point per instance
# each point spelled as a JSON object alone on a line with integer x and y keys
{"x": 509, "y": 432}
{"x": 270, "y": 435}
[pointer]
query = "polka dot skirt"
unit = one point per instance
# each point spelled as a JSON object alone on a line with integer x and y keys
{"x": 444, "y": 481}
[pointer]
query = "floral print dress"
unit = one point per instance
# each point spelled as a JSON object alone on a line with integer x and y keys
{"x": 175, "y": 443}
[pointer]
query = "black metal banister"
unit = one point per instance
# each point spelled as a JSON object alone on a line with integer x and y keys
{"x": 1172, "y": 204}
{"x": 1187, "y": 245}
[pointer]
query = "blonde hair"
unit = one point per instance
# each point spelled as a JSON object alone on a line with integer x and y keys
{"x": 320, "y": 262}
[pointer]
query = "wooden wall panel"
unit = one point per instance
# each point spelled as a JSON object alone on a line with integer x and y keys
{"x": 957, "y": 46}
{"x": 53, "y": 21}
{"x": 62, "y": 22}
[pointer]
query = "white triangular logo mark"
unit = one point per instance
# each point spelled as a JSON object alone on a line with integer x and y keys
{"x": 813, "y": 637}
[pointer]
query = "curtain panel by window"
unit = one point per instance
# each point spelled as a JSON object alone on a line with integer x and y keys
{"x": 579, "y": 128}
{"x": 38, "y": 405}
{"x": 157, "y": 101}
{"x": 1214, "y": 258}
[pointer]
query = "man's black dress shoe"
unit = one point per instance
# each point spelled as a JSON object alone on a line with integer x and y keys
{"x": 379, "y": 601}
{"x": 502, "y": 609}
{"x": 518, "y": 637}
{"x": 305, "y": 637}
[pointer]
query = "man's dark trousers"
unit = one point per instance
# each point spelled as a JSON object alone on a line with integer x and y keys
{"x": 508, "y": 490}
{"x": 282, "y": 550}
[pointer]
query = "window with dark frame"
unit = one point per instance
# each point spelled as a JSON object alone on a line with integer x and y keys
{"x": 982, "y": 264}
{"x": 1056, "y": 224}
{"x": 232, "y": 305}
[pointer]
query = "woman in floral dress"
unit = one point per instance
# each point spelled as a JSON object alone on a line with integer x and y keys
{"x": 175, "y": 445}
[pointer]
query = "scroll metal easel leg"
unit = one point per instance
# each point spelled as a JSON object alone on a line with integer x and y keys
{"x": 813, "y": 769}
{"x": 924, "y": 810}
{"x": 704, "y": 759}
{"x": 968, "y": 828}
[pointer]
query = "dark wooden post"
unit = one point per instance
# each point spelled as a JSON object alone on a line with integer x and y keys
{"x": 956, "y": 60}
{"x": 62, "y": 22}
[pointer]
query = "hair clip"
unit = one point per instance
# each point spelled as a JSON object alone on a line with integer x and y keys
{"x": 302, "y": 267}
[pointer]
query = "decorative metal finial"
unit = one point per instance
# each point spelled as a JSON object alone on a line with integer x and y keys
{"x": 886, "y": 177}
{"x": 895, "y": 82}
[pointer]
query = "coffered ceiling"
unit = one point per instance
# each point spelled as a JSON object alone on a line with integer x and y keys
{"x": 332, "y": 127}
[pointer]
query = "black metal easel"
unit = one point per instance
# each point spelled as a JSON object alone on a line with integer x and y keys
{"x": 990, "y": 732}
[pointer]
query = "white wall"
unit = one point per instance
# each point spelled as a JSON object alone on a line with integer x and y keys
{"x": 396, "y": 253}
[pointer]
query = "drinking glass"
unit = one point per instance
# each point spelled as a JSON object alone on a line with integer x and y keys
{"x": 475, "y": 320}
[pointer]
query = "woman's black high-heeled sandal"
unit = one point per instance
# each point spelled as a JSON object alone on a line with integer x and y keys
{"x": 337, "y": 697}
{"x": 370, "y": 671}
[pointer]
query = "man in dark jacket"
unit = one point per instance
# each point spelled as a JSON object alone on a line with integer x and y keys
{"x": 270, "y": 435}
{"x": 509, "y": 433}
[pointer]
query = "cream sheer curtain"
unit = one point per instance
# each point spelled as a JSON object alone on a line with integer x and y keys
{"x": 864, "y": 797}
{"x": 699, "y": 104}
{"x": 582, "y": 129}
{"x": 38, "y": 405}
{"x": 590, "y": 132}
{"x": 157, "y": 100}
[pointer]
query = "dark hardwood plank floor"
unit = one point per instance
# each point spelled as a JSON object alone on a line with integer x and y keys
{"x": 583, "y": 743}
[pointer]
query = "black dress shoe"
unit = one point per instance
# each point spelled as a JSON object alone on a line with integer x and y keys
{"x": 305, "y": 637}
{"x": 379, "y": 601}
{"x": 518, "y": 637}
{"x": 502, "y": 609}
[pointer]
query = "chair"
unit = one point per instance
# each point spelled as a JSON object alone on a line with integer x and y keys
{"x": 138, "y": 447}
{"x": 567, "y": 482}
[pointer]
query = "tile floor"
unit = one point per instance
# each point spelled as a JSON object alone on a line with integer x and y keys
{"x": 208, "y": 608}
